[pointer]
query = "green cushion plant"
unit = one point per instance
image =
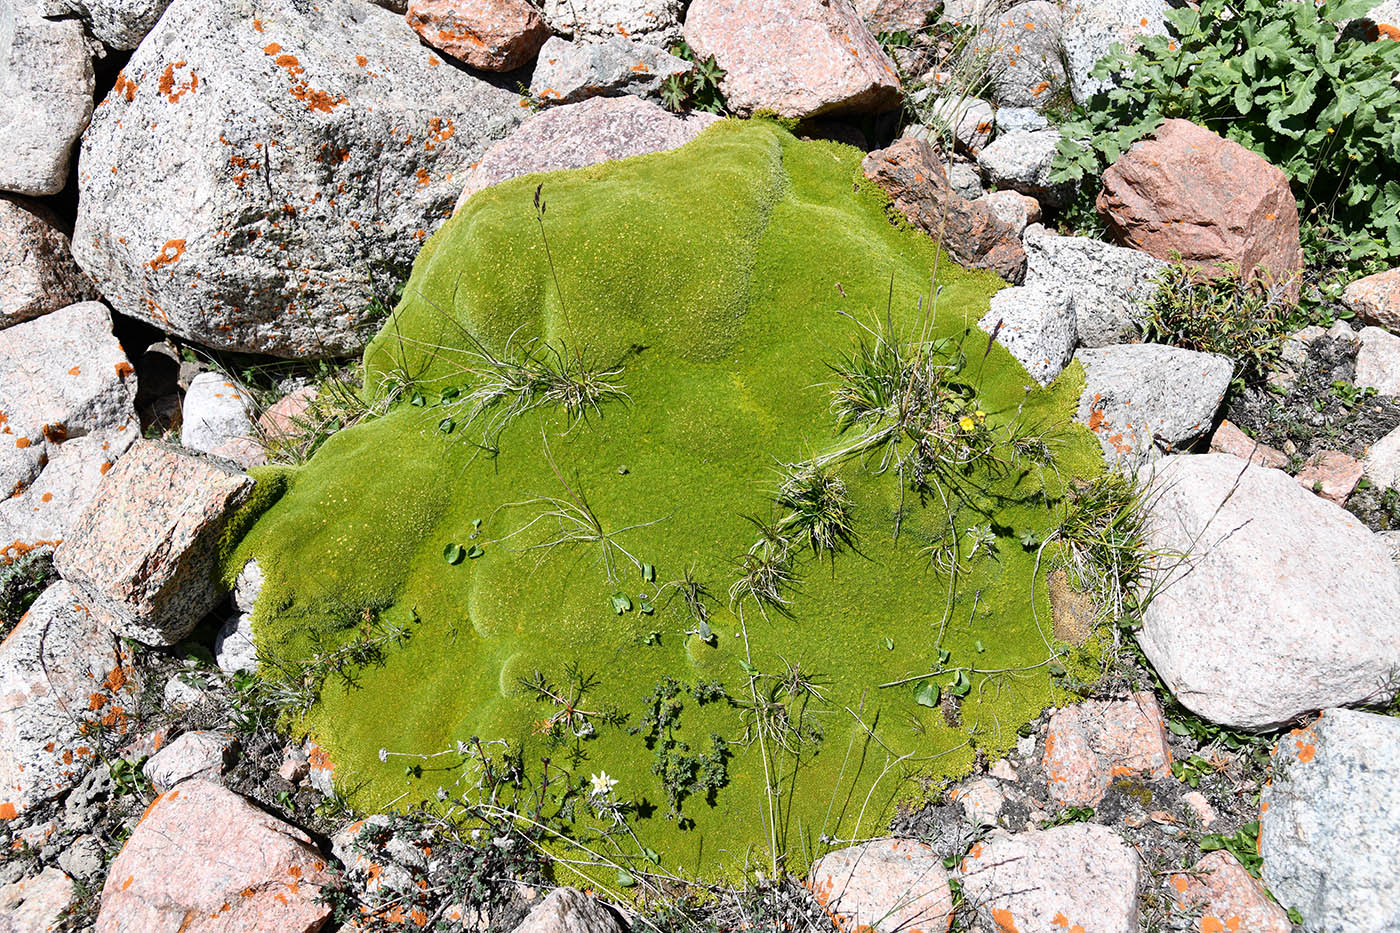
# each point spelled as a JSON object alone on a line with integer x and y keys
{"x": 706, "y": 528}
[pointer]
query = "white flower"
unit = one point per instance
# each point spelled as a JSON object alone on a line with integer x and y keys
{"x": 383, "y": 754}
{"x": 602, "y": 784}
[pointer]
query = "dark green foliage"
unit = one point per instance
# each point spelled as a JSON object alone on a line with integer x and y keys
{"x": 1243, "y": 845}
{"x": 1285, "y": 80}
{"x": 21, "y": 582}
{"x": 683, "y": 773}
{"x": 697, "y": 90}
{"x": 818, "y": 506}
{"x": 1221, "y": 314}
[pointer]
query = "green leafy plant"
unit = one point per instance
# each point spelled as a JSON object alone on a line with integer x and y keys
{"x": 1285, "y": 80}
{"x": 683, "y": 773}
{"x": 21, "y": 582}
{"x": 1220, "y": 313}
{"x": 697, "y": 89}
{"x": 1242, "y": 844}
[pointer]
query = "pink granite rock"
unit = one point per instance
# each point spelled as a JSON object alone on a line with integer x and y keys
{"x": 37, "y": 271}
{"x": 1089, "y": 746}
{"x": 492, "y": 35}
{"x": 1376, "y": 299}
{"x": 1331, "y": 474}
{"x": 1229, "y": 439}
{"x": 1226, "y": 897}
{"x": 883, "y": 886}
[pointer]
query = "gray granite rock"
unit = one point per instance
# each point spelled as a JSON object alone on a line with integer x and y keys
{"x": 1090, "y": 29}
{"x": 201, "y": 755}
{"x": 1024, "y": 55}
{"x": 37, "y": 271}
{"x": 884, "y": 886}
{"x": 568, "y": 72}
{"x": 216, "y": 410}
{"x": 569, "y": 910}
{"x": 1037, "y": 326}
{"x": 1329, "y": 821}
{"x": 655, "y": 21}
{"x": 1022, "y": 162}
{"x": 1378, "y": 361}
{"x": 1112, "y": 286}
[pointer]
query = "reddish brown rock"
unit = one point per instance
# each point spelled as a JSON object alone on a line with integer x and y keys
{"x": 1331, "y": 474}
{"x": 1089, "y": 746}
{"x": 1376, "y": 299}
{"x": 799, "y": 58}
{"x": 144, "y": 550}
{"x": 493, "y": 35}
{"x": 37, "y": 271}
{"x": 281, "y": 419}
{"x": 883, "y": 886}
{"x": 911, "y": 172}
{"x": 1226, "y": 897}
{"x": 1186, "y": 191}
{"x": 204, "y": 859}
{"x": 1229, "y": 439}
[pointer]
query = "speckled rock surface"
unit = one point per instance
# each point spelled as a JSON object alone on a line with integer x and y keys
{"x": 46, "y": 84}
{"x": 1090, "y": 29}
{"x": 144, "y": 549}
{"x": 1285, "y": 603}
{"x": 1091, "y": 745}
{"x": 204, "y": 859}
{"x": 1022, "y": 162}
{"x": 61, "y": 671}
{"x": 1375, "y": 299}
{"x": 255, "y": 155}
{"x": 1378, "y": 361}
{"x": 122, "y": 24}
{"x": 799, "y": 58}
{"x": 568, "y": 72}
{"x": 1026, "y": 64}
{"x": 1081, "y": 875}
{"x": 1112, "y": 287}
{"x": 491, "y": 35}
{"x": 569, "y": 910}
{"x": 200, "y": 755}
{"x": 1037, "y": 326}
{"x": 37, "y": 272}
{"x": 884, "y": 886}
{"x": 37, "y": 904}
{"x": 1222, "y": 896}
{"x": 1329, "y": 821}
{"x": 216, "y": 410}
{"x": 657, "y": 21}
{"x": 575, "y": 135}
{"x": 1140, "y": 397}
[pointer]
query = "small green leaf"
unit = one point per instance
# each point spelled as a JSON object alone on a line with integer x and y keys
{"x": 889, "y": 644}
{"x": 652, "y": 856}
{"x": 978, "y": 645}
{"x": 453, "y": 553}
{"x": 649, "y": 573}
{"x": 705, "y": 632}
{"x": 625, "y": 879}
{"x": 621, "y": 603}
{"x": 943, "y": 655}
{"x": 960, "y": 685}
{"x": 475, "y": 551}
{"x": 447, "y": 425}
{"x": 748, "y": 668}
{"x": 927, "y": 693}
{"x": 646, "y": 608}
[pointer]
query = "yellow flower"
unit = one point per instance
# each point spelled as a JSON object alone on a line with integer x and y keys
{"x": 980, "y": 415}
{"x": 966, "y": 423}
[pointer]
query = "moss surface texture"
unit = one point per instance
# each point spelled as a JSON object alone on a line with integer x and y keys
{"x": 713, "y": 275}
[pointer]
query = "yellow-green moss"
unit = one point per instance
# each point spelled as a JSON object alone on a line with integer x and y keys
{"x": 715, "y": 274}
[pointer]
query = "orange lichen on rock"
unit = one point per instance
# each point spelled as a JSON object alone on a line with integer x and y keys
{"x": 170, "y": 89}
{"x": 169, "y": 253}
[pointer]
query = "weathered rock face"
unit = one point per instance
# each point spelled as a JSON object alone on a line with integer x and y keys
{"x": 1013, "y": 207}
{"x": 799, "y": 58}
{"x": 1376, "y": 299}
{"x": 200, "y": 755}
{"x": 1090, "y": 29}
{"x": 657, "y": 21}
{"x": 568, "y": 72}
{"x": 569, "y": 910}
{"x": 216, "y": 411}
{"x": 46, "y": 85}
{"x": 121, "y": 24}
{"x": 144, "y": 550}
{"x": 1036, "y": 326}
{"x": 896, "y": 15}
{"x": 1089, "y": 746}
{"x": 1331, "y": 474}
{"x": 1023, "y": 44}
{"x": 572, "y": 136}
{"x": 883, "y": 886}
{"x": 967, "y": 122}
{"x": 1022, "y": 162}
{"x": 492, "y": 35}
{"x": 1141, "y": 395}
{"x": 67, "y": 408}
{"x": 1290, "y": 604}
{"x": 1378, "y": 361}
{"x": 259, "y": 160}
{"x": 1186, "y": 190}
{"x": 234, "y": 647}
{"x": 1227, "y": 897}
{"x": 36, "y": 905}
{"x": 62, "y": 672}
{"x": 37, "y": 272}
{"x": 912, "y": 174}
{"x": 1329, "y": 820}
{"x": 205, "y": 859}
{"x": 1080, "y": 875}
{"x": 1111, "y": 287}
{"x": 1229, "y": 439}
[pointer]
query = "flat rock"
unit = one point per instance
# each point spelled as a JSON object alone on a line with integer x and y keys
{"x": 1229, "y": 439}
{"x": 377, "y": 857}
{"x": 602, "y": 129}
{"x": 144, "y": 549}
{"x": 1375, "y": 299}
{"x": 1112, "y": 287}
{"x": 1141, "y": 395}
{"x": 968, "y": 122}
{"x": 37, "y": 904}
{"x": 254, "y": 153}
{"x": 911, "y": 173}
{"x": 1378, "y": 361}
{"x": 1329, "y": 820}
{"x": 490, "y": 35}
{"x": 657, "y": 21}
{"x": 202, "y": 755}
{"x": 46, "y": 85}
{"x": 1081, "y": 874}
{"x": 121, "y": 24}
{"x": 1014, "y": 208}
{"x": 1036, "y": 326}
{"x": 1022, "y": 162}
{"x": 1225, "y": 897}
{"x": 568, "y": 72}
{"x": 37, "y": 271}
{"x": 1331, "y": 474}
{"x": 67, "y": 412}
{"x": 1090, "y": 29}
{"x": 798, "y": 58}
{"x": 204, "y": 859}
{"x": 1284, "y": 604}
{"x": 216, "y": 410}
{"x": 62, "y": 671}
{"x": 1025, "y": 58}
{"x": 1184, "y": 190}
{"x": 1381, "y": 464}
{"x": 884, "y": 886}
{"x": 898, "y": 15}
{"x": 1020, "y": 120}
{"x": 1092, "y": 744}
{"x": 234, "y": 647}
{"x": 569, "y": 910}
